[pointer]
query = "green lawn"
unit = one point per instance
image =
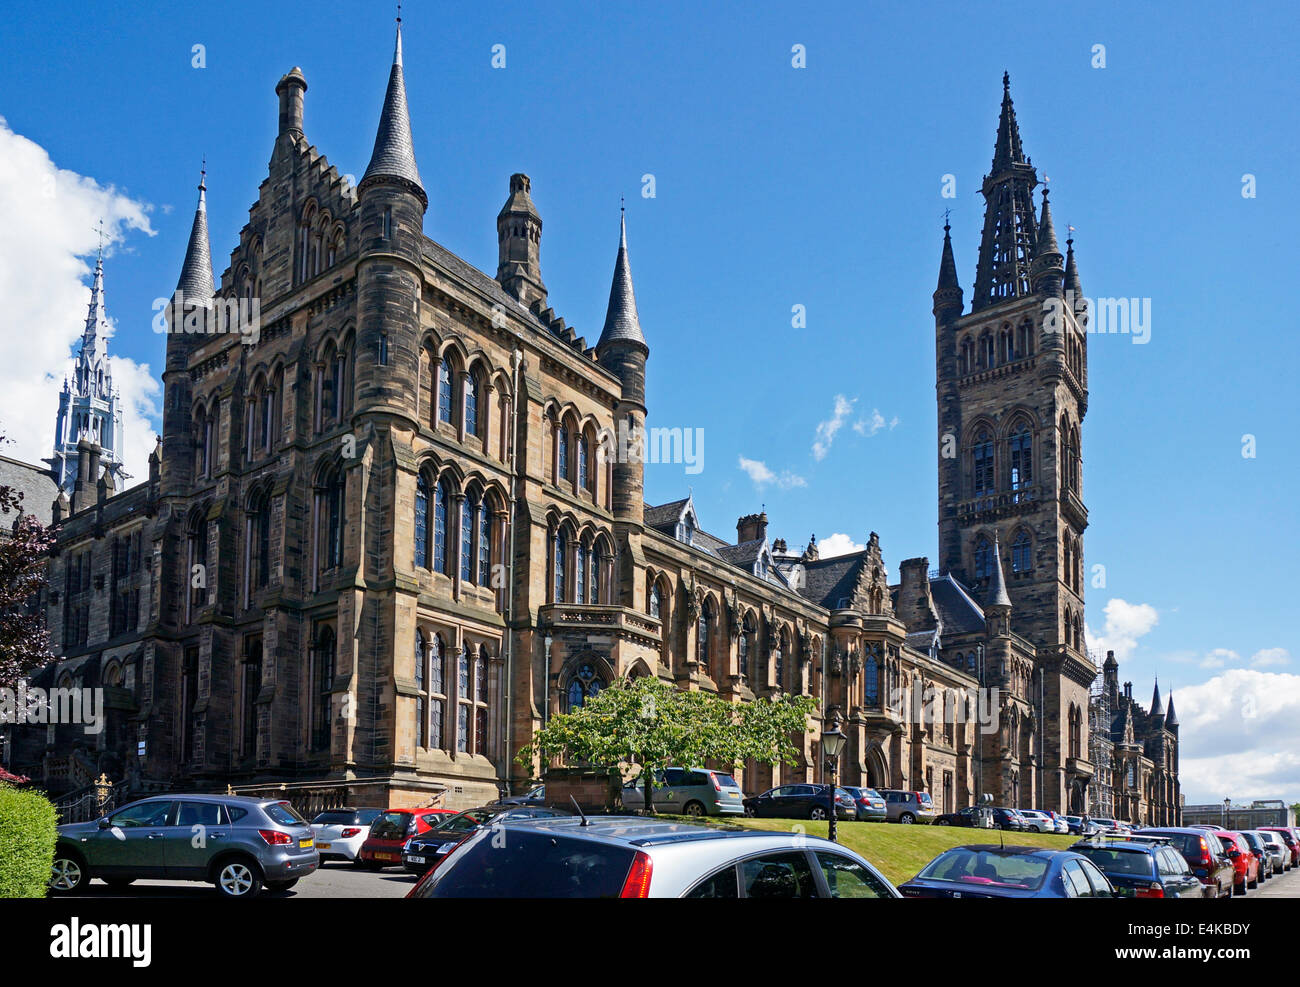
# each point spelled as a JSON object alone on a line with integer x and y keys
{"x": 898, "y": 851}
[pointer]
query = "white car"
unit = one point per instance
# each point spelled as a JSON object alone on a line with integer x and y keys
{"x": 1062, "y": 826}
{"x": 340, "y": 832}
{"x": 1038, "y": 822}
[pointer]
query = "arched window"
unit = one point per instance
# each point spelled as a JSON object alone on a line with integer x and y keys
{"x": 1021, "y": 560}
{"x": 562, "y": 454}
{"x": 580, "y": 575}
{"x": 471, "y": 404}
{"x": 983, "y": 558}
{"x": 1006, "y": 346}
{"x": 329, "y": 520}
{"x": 982, "y": 463}
{"x": 480, "y": 702}
{"x": 428, "y": 406}
{"x": 778, "y": 662}
{"x": 444, "y": 391}
{"x": 583, "y": 478}
{"x": 559, "y": 560}
{"x": 322, "y": 687}
{"x": 197, "y": 552}
{"x": 1025, "y": 340}
{"x": 467, "y": 540}
{"x": 966, "y": 359}
{"x": 596, "y": 581}
{"x": 484, "y": 544}
{"x": 440, "y": 506}
{"x": 743, "y": 646}
{"x": 421, "y": 522}
{"x": 986, "y": 351}
{"x": 705, "y": 634}
{"x": 1021, "y": 457}
{"x": 584, "y": 685}
{"x": 421, "y": 702}
{"x": 655, "y": 603}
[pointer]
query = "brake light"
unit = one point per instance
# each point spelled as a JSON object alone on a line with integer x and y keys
{"x": 350, "y": 832}
{"x": 1205, "y": 853}
{"x": 274, "y": 837}
{"x": 637, "y": 884}
{"x": 714, "y": 778}
{"x": 1152, "y": 890}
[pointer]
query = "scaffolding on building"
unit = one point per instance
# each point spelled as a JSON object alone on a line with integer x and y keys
{"x": 1101, "y": 752}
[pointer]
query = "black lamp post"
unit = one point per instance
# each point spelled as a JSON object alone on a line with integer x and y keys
{"x": 1227, "y": 808}
{"x": 833, "y": 741}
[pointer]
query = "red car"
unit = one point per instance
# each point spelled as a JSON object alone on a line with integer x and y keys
{"x": 383, "y": 847}
{"x": 1291, "y": 837}
{"x": 1245, "y": 865}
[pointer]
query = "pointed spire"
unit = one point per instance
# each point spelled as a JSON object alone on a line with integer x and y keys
{"x": 96, "y": 319}
{"x": 1157, "y": 709}
{"x": 1046, "y": 231}
{"x": 1007, "y": 150}
{"x": 947, "y": 266}
{"x": 1171, "y": 718}
{"x": 622, "y": 324}
{"x": 1010, "y": 226}
{"x": 393, "y": 157}
{"x": 1047, "y": 270}
{"x": 1072, "y": 283}
{"x": 997, "y": 584}
{"x": 196, "y": 273}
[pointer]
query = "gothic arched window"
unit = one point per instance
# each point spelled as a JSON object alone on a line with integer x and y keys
{"x": 562, "y": 454}
{"x": 559, "y": 560}
{"x": 484, "y": 544}
{"x": 467, "y": 540}
{"x": 444, "y": 391}
{"x": 471, "y": 404}
{"x": 983, "y": 558}
{"x": 982, "y": 464}
{"x": 421, "y": 522}
{"x": 1021, "y": 458}
{"x": 580, "y": 575}
{"x": 871, "y": 675}
{"x": 584, "y": 685}
{"x": 322, "y": 687}
{"x": 655, "y": 603}
{"x": 440, "y": 505}
{"x": 705, "y": 632}
{"x": 1020, "y": 553}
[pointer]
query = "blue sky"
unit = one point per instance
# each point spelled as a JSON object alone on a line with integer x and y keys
{"x": 775, "y": 187}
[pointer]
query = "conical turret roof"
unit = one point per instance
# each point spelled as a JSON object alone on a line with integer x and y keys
{"x": 622, "y": 324}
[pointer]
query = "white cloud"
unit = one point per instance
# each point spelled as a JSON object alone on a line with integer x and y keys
{"x": 45, "y": 285}
{"x": 838, "y": 544}
{"x": 1125, "y": 623}
{"x": 1219, "y": 658}
{"x": 1240, "y": 737}
{"x": 1268, "y": 657}
{"x": 762, "y": 476}
{"x": 827, "y": 430}
{"x": 876, "y": 423}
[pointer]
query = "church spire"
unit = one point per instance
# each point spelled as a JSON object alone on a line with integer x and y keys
{"x": 1010, "y": 226}
{"x": 1047, "y": 269}
{"x": 1171, "y": 718}
{"x": 622, "y": 324}
{"x": 997, "y": 583}
{"x": 196, "y": 282}
{"x": 1157, "y": 709}
{"x": 393, "y": 159}
{"x": 96, "y": 319}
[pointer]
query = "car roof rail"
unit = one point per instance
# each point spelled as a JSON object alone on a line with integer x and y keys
{"x": 1126, "y": 838}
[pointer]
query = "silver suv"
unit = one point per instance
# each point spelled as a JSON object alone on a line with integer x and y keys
{"x": 693, "y": 793}
{"x": 907, "y": 807}
{"x": 637, "y": 857}
{"x": 238, "y": 844}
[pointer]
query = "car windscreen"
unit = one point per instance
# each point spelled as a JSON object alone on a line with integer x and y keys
{"x": 390, "y": 826}
{"x": 464, "y": 822}
{"x": 725, "y": 781}
{"x": 1129, "y": 863}
{"x": 532, "y": 865}
{"x": 336, "y": 817}
{"x": 924, "y": 798}
{"x": 987, "y": 867}
{"x": 284, "y": 813}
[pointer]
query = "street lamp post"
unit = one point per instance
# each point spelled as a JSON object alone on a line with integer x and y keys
{"x": 833, "y": 741}
{"x": 1227, "y": 807}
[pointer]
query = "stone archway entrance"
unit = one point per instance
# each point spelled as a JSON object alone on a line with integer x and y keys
{"x": 877, "y": 768}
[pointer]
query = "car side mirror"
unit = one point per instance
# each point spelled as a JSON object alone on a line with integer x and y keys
{"x": 104, "y": 823}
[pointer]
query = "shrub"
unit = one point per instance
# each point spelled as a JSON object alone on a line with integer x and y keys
{"x": 27, "y": 834}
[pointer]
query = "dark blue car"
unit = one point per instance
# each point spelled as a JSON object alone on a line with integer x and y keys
{"x": 1008, "y": 872}
{"x": 1141, "y": 867}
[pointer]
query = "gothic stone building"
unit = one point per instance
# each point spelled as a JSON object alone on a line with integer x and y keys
{"x": 379, "y": 546}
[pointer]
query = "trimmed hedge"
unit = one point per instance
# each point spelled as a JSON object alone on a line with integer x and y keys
{"x": 27, "y": 835}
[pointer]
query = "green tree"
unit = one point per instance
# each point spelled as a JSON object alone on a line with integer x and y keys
{"x": 24, "y": 546}
{"x": 656, "y": 725}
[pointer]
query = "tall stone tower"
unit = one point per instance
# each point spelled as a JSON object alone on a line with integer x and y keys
{"x": 89, "y": 407}
{"x": 1011, "y": 384}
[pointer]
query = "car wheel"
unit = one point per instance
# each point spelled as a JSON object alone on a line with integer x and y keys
{"x": 907, "y": 819}
{"x": 119, "y": 883}
{"x": 238, "y": 878}
{"x": 695, "y": 809}
{"x": 67, "y": 873}
{"x": 280, "y": 885}
{"x": 817, "y": 812}
{"x": 941, "y": 822}
{"x": 749, "y": 811}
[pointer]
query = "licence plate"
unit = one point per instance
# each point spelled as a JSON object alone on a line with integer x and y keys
{"x": 305, "y": 844}
{"x": 322, "y": 846}
{"x": 385, "y": 856}
{"x": 415, "y": 860}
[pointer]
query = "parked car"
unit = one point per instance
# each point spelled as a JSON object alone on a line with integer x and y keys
{"x": 1077, "y": 827}
{"x": 962, "y": 817}
{"x": 1244, "y": 862}
{"x": 1035, "y": 821}
{"x": 800, "y": 802}
{"x": 340, "y": 832}
{"x": 698, "y": 792}
{"x": 1008, "y": 872}
{"x": 641, "y": 857}
{"x": 421, "y": 852}
{"x": 869, "y": 802}
{"x": 908, "y": 807}
{"x": 1291, "y": 837}
{"x": 1280, "y": 852}
{"x": 1141, "y": 866}
{"x": 1007, "y": 818}
{"x": 534, "y": 796}
{"x": 248, "y": 844}
{"x": 383, "y": 846}
{"x": 1261, "y": 851}
{"x": 1106, "y": 825}
{"x": 1062, "y": 826}
{"x": 1204, "y": 854}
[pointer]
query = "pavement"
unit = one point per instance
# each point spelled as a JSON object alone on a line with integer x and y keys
{"x": 1284, "y": 886}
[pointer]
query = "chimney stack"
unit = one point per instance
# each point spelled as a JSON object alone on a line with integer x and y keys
{"x": 751, "y": 527}
{"x": 915, "y": 605}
